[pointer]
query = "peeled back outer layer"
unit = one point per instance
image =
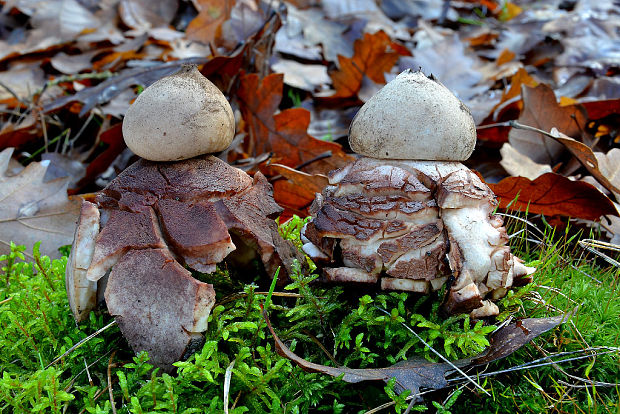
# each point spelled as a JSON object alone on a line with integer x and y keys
{"x": 150, "y": 222}
{"x": 414, "y": 225}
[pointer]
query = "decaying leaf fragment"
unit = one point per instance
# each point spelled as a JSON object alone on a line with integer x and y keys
{"x": 417, "y": 374}
{"x": 553, "y": 194}
{"x": 32, "y": 209}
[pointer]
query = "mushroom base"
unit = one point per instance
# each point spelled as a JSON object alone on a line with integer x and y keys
{"x": 153, "y": 221}
{"x": 414, "y": 226}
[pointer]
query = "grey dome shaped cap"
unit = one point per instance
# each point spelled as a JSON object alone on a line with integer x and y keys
{"x": 414, "y": 117}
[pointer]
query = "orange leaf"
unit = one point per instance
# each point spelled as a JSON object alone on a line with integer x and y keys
{"x": 484, "y": 39}
{"x": 284, "y": 134}
{"x": 373, "y": 55}
{"x": 206, "y": 27}
{"x": 294, "y": 190}
{"x": 507, "y": 109}
{"x": 553, "y": 194}
{"x": 505, "y": 57}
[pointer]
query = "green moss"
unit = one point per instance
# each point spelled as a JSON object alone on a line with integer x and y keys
{"x": 37, "y": 327}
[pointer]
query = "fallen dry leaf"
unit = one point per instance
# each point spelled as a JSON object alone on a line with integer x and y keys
{"x": 541, "y": 110}
{"x": 285, "y": 134}
{"x": 373, "y": 55}
{"x": 32, "y": 209}
{"x": 207, "y": 26}
{"x": 26, "y": 130}
{"x": 146, "y": 14}
{"x": 414, "y": 374}
{"x": 519, "y": 165}
{"x": 609, "y": 166}
{"x": 115, "y": 85}
{"x": 293, "y": 189}
{"x": 113, "y": 137}
{"x": 588, "y": 159}
{"x": 553, "y": 194}
{"x": 507, "y": 109}
{"x": 514, "y": 335}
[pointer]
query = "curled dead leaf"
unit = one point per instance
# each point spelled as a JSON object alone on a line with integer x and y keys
{"x": 415, "y": 374}
{"x": 32, "y": 209}
{"x": 553, "y": 194}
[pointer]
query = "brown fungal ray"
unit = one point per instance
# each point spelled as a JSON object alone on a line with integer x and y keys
{"x": 195, "y": 232}
{"x": 375, "y": 180}
{"x": 249, "y": 217}
{"x": 410, "y": 285}
{"x": 349, "y": 274}
{"x": 81, "y": 292}
{"x": 387, "y": 207}
{"x": 332, "y": 222}
{"x": 422, "y": 263}
{"x": 203, "y": 179}
{"x": 124, "y": 231}
{"x": 138, "y": 186}
{"x": 158, "y": 305}
{"x": 463, "y": 188}
{"x": 419, "y": 236}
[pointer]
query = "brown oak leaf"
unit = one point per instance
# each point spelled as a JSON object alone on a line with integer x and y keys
{"x": 553, "y": 194}
{"x": 541, "y": 110}
{"x": 373, "y": 55}
{"x": 207, "y": 26}
{"x": 32, "y": 209}
{"x": 284, "y": 134}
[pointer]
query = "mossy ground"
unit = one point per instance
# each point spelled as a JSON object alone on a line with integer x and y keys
{"x": 36, "y": 327}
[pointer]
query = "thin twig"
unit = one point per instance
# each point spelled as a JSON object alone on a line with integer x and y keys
{"x": 227, "y": 377}
{"x": 110, "y": 382}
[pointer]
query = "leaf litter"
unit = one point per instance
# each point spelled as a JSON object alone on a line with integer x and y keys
{"x": 546, "y": 65}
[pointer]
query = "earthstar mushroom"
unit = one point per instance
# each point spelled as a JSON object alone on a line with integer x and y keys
{"x": 134, "y": 245}
{"x": 409, "y": 216}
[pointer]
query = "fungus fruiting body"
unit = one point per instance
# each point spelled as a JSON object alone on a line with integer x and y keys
{"x": 136, "y": 245}
{"x": 409, "y": 216}
{"x": 179, "y": 117}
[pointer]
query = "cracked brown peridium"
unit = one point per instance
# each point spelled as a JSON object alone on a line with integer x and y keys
{"x": 414, "y": 226}
{"x": 150, "y": 222}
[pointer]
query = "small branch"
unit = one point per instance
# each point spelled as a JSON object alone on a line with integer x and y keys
{"x": 110, "y": 382}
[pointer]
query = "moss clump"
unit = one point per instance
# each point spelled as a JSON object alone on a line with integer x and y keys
{"x": 36, "y": 327}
